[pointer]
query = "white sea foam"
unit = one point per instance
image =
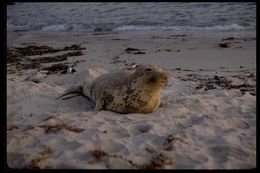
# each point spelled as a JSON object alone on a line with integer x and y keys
{"x": 81, "y": 28}
{"x": 12, "y": 27}
{"x": 179, "y": 28}
{"x": 55, "y": 28}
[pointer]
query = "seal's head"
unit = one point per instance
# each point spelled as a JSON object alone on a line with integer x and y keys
{"x": 153, "y": 76}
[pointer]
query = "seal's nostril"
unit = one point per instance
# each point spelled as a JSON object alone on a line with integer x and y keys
{"x": 152, "y": 79}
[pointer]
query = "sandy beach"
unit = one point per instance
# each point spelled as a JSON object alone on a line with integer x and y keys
{"x": 207, "y": 119}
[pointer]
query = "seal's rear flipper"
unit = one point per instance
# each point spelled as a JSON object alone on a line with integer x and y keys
{"x": 72, "y": 90}
{"x": 65, "y": 98}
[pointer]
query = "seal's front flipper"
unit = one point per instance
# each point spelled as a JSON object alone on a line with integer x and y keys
{"x": 99, "y": 104}
{"x": 72, "y": 90}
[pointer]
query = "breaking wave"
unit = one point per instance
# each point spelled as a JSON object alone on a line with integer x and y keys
{"x": 80, "y": 28}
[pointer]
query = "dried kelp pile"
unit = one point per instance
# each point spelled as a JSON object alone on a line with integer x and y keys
{"x": 221, "y": 82}
{"x": 20, "y": 57}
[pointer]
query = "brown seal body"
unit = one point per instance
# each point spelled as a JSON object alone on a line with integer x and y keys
{"x": 124, "y": 91}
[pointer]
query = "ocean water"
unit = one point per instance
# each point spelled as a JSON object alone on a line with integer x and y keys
{"x": 132, "y": 16}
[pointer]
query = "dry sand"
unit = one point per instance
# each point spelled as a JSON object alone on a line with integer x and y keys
{"x": 207, "y": 121}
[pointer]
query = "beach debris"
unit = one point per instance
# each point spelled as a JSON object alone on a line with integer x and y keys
{"x": 44, "y": 154}
{"x": 98, "y": 154}
{"x": 150, "y": 149}
{"x": 179, "y": 35}
{"x": 53, "y": 129}
{"x": 119, "y": 39}
{"x": 28, "y": 65}
{"x": 135, "y": 50}
{"x": 223, "y": 82}
{"x": 167, "y": 145}
{"x": 129, "y": 66}
{"x": 74, "y": 129}
{"x": 18, "y": 56}
{"x": 35, "y": 50}
{"x": 213, "y": 83}
{"x": 220, "y": 81}
{"x": 57, "y": 58}
{"x": 180, "y": 69}
{"x": 56, "y": 68}
{"x": 70, "y": 70}
{"x": 76, "y": 53}
{"x": 171, "y": 138}
{"x": 224, "y": 45}
{"x": 159, "y": 37}
{"x": 40, "y": 50}
{"x": 133, "y": 66}
{"x": 245, "y": 88}
{"x": 74, "y": 47}
{"x": 209, "y": 86}
{"x": 228, "y": 38}
{"x": 116, "y": 60}
{"x": 139, "y": 52}
{"x": 235, "y": 42}
{"x": 50, "y": 59}
{"x": 222, "y": 67}
{"x": 203, "y": 69}
{"x": 13, "y": 56}
{"x": 226, "y": 42}
{"x": 56, "y": 128}
{"x": 167, "y": 50}
{"x": 12, "y": 127}
{"x": 242, "y": 39}
{"x": 102, "y": 29}
{"x": 131, "y": 49}
{"x": 157, "y": 161}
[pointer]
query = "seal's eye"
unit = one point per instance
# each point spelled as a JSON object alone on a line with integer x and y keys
{"x": 148, "y": 69}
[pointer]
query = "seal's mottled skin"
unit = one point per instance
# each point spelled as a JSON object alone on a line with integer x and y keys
{"x": 124, "y": 91}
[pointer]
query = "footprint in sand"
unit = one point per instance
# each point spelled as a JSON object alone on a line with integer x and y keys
{"x": 238, "y": 123}
{"x": 197, "y": 120}
{"x": 111, "y": 147}
{"x": 120, "y": 132}
{"x": 60, "y": 143}
{"x": 240, "y": 165}
{"x": 12, "y": 110}
{"x": 222, "y": 153}
{"x": 16, "y": 159}
{"x": 141, "y": 128}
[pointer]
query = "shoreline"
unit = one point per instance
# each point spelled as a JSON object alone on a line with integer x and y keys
{"x": 193, "y": 45}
